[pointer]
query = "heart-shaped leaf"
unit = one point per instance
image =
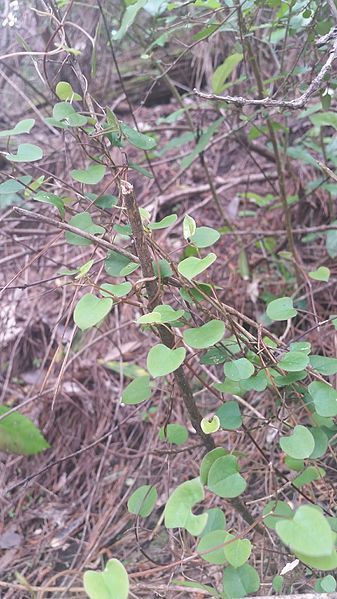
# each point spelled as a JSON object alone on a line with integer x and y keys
{"x": 90, "y": 176}
{"x": 209, "y": 426}
{"x": 84, "y": 222}
{"x": 117, "y": 265}
{"x": 229, "y": 415}
{"x": 224, "y": 478}
{"x": 167, "y": 221}
{"x": 300, "y": 444}
{"x": 328, "y": 562}
{"x": 112, "y": 583}
{"x": 204, "y": 237}
{"x": 177, "y": 434}
{"x": 275, "y": 511}
{"x": 325, "y": 398}
{"x": 192, "y": 267}
{"x": 65, "y": 92}
{"x": 281, "y": 309}
{"x": 90, "y": 310}
{"x": 107, "y": 290}
{"x": 307, "y": 533}
{"x": 238, "y": 552}
{"x": 216, "y": 520}
{"x": 21, "y": 127}
{"x": 162, "y": 360}
{"x": 293, "y": 361}
{"x": 206, "y": 335}
{"x": 208, "y": 461}
{"x": 26, "y": 153}
{"x": 239, "y": 369}
{"x": 162, "y": 314}
{"x": 240, "y": 582}
{"x": 137, "y": 391}
{"x": 143, "y": 500}
{"x": 321, "y": 274}
{"x": 178, "y": 509}
{"x": 18, "y": 434}
{"x": 211, "y": 546}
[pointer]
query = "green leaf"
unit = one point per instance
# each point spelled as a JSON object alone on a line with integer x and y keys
{"x": 208, "y": 461}
{"x": 300, "y": 444}
{"x": 65, "y": 115}
{"x": 84, "y": 222}
{"x": 326, "y": 585}
{"x": 90, "y": 310}
{"x": 321, "y": 274}
{"x": 50, "y": 198}
{"x": 204, "y": 237}
{"x": 239, "y": 369}
{"x": 327, "y": 562}
{"x": 323, "y": 365}
{"x": 162, "y": 313}
{"x": 277, "y": 583}
{"x": 224, "y": 478}
{"x": 112, "y": 583}
{"x": 229, "y": 415}
{"x": 303, "y": 346}
{"x": 223, "y": 71}
{"x": 281, "y": 309}
{"x": 128, "y": 369}
{"x": 117, "y": 265}
{"x": 121, "y": 290}
{"x": 178, "y": 509}
{"x": 308, "y": 533}
{"x": 210, "y": 425}
{"x": 331, "y": 241}
{"x": 137, "y": 391}
{"x": 26, "y": 153}
{"x": 216, "y": 520}
{"x": 238, "y": 552}
{"x": 128, "y": 18}
{"x": 162, "y": 268}
{"x": 142, "y": 501}
{"x": 106, "y": 201}
{"x": 177, "y": 434}
{"x": 65, "y": 92}
{"x": 164, "y": 223}
{"x": 137, "y": 139}
{"x": 189, "y": 227}
{"x": 18, "y": 434}
{"x": 211, "y": 546}
{"x": 162, "y": 360}
{"x": 275, "y": 511}
{"x": 192, "y": 267}
{"x": 21, "y": 127}
{"x": 240, "y": 582}
{"x": 325, "y": 398}
{"x": 206, "y": 335}
{"x": 90, "y": 176}
{"x": 293, "y": 361}
{"x": 306, "y": 477}
{"x": 326, "y": 119}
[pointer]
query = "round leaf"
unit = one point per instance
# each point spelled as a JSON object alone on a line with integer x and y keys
{"x": 206, "y": 335}
{"x": 211, "y": 546}
{"x": 208, "y": 460}
{"x": 300, "y": 444}
{"x": 174, "y": 433}
{"x": 238, "y": 552}
{"x": 229, "y": 415}
{"x": 323, "y": 365}
{"x": 65, "y": 92}
{"x": 281, "y": 309}
{"x": 238, "y": 370}
{"x": 90, "y": 310}
{"x": 325, "y": 398}
{"x": 84, "y": 222}
{"x": 294, "y": 361}
{"x": 18, "y": 434}
{"x": 117, "y": 265}
{"x": 210, "y": 426}
{"x": 162, "y": 360}
{"x": 143, "y": 500}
